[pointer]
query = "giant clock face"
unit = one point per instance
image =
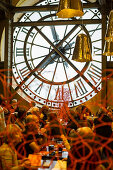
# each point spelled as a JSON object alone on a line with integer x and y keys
{"x": 42, "y": 59}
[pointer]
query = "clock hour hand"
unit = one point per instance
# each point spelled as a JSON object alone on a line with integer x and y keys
{"x": 61, "y": 48}
{"x": 54, "y": 34}
{"x": 56, "y": 40}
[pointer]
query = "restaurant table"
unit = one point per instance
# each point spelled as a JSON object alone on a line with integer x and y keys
{"x": 49, "y": 161}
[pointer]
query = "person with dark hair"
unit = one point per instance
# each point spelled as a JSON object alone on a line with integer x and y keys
{"x": 13, "y": 109}
{"x": 86, "y": 111}
{"x": 1, "y": 100}
{"x": 101, "y": 112}
{"x": 44, "y": 111}
{"x": 83, "y": 121}
{"x": 83, "y": 154}
{"x": 102, "y": 126}
{"x": 32, "y": 104}
{"x": 54, "y": 129}
{"x": 33, "y": 136}
{"x": 110, "y": 112}
{"x": 103, "y": 130}
{"x": 72, "y": 121}
{"x": 2, "y": 117}
{"x": 4, "y": 104}
{"x": 20, "y": 118}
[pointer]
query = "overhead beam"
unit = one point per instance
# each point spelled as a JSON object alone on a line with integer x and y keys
{"x": 59, "y": 22}
{"x": 48, "y": 8}
{"x": 4, "y": 6}
{"x": 102, "y": 2}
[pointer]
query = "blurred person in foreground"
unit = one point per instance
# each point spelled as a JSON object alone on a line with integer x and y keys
{"x": 103, "y": 130}
{"x": 8, "y": 154}
{"x": 2, "y": 117}
{"x": 83, "y": 154}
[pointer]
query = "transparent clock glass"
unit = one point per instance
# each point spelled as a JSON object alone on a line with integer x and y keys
{"x": 43, "y": 47}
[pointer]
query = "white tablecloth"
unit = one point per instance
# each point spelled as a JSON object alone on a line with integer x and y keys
{"x": 60, "y": 165}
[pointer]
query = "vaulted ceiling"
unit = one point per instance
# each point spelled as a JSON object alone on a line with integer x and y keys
{"x": 6, "y": 7}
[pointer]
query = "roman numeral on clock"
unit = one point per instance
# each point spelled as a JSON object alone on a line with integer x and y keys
{"x": 38, "y": 89}
{"x": 20, "y": 52}
{"x": 25, "y": 30}
{"x": 80, "y": 88}
{"x": 24, "y": 71}
{"x": 59, "y": 93}
{"x": 94, "y": 73}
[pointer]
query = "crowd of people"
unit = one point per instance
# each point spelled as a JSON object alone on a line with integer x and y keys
{"x": 87, "y": 138}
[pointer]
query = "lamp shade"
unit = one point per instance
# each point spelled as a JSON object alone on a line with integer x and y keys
{"x": 69, "y": 9}
{"x": 92, "y": 1}
{"x": 82, "y": 50}
{"x": 109, "y": 33}
{"x": 108, "y": 49}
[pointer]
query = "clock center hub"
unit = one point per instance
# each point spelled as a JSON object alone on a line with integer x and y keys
{"x": 65, "y": 49}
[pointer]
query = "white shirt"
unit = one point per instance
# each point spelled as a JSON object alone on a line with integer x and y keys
{"x": 2, "y": 119}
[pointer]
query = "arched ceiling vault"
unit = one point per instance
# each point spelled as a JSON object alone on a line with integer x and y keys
{"x": 6, "y": 6}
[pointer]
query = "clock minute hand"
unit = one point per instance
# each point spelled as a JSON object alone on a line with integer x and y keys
{"x": 42, "y": 63}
